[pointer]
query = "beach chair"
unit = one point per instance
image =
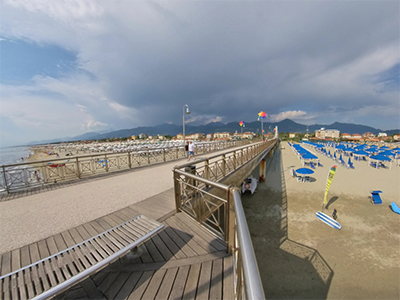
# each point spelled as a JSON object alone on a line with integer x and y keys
{"x": 294, "y": 175}
{"x": 395, "y": 208}
{"x": 376, "y": 199}
{"x": 312, "y": 165}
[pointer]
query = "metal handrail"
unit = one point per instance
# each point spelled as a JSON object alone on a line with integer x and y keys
{"x": 235, "y": 231}
{"x": 25, "y": 175}
{"x": 254, "y": 288}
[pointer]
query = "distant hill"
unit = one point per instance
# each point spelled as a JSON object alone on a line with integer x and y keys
{"x": 172, "y": 130}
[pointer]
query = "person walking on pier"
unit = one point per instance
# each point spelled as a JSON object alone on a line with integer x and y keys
{"x": 187, "y": 149}
{"x": 191, "y": 150}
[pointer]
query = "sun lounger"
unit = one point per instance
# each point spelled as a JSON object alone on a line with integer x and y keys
{"x": 312, "y": 165}
{"x": 376, "y": 199}
{"x": 395, "y": 208}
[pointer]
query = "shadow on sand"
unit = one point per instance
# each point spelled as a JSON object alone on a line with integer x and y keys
{"x": 331, "y": 201}
{"x": 289, "y": 270}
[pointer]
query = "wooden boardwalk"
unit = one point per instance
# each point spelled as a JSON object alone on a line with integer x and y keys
{"x": 184, "y": 261}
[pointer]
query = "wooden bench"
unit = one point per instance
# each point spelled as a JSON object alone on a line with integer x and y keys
{"x": 56, "y": 273}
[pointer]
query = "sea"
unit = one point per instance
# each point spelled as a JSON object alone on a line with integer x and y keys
{"x": 14, "y": 155}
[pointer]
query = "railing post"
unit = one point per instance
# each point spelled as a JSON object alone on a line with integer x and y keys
{"x": 163, "y": 152}
{"x": 234, "y": 160}
{"x": 177, "y": 189}
{"x": 78, "y": 172}
{"x": 223, "y": 165}
{"x": 230, "y": 220}
{"x": 5, "y": 180}
{"x": 106, "y": 162}
{"x": 207, "y": 169}
{"x": 129, "y": 160}
{"x": 148, "y": 156}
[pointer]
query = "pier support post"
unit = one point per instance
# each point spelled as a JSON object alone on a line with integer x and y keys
{"x": 262, "y": 170}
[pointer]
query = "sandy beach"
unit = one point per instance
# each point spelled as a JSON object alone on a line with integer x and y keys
{"x": 301, "y": 257}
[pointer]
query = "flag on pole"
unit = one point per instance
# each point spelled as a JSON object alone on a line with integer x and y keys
{"x": 331, "y": 174}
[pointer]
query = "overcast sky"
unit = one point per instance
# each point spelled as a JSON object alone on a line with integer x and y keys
{"x": 75, "y": 66}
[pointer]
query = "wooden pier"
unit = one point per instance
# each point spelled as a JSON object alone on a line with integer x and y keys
{"x": 184, "y": 261}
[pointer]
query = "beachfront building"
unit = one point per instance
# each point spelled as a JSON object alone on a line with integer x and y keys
{"x": 237, "y": 135}
{"x": 248, "y": 135}
{"x": 356, "y": 137}
{"x": 161, "y": 137}
{"x": 368, "y": 135}
{"x": 222, "y": 135}
{"x": 396, "y": 137}
{"x": 345, "y": 136}
{"x": 292, "y": 135}
{"x": 143, "y": 136}
{"x": 179, "y": 136}
{"x": 133, "y": 137}
{"x": 195, "y": 136}
{"x": 327, "y": 133}
{"x": 209, "y": 136}
{"x": 381, "y": 134}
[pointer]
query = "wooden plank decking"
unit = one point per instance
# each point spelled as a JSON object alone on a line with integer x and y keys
{"x": 183, "y": 261}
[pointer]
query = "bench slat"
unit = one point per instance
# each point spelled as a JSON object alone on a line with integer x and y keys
{"x": 51, "y": 275}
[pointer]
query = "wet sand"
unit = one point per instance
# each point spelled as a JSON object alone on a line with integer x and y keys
{"x": 301, "y": 257}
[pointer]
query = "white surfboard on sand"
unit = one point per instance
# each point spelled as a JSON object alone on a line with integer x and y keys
{"x": 328, "y": 220}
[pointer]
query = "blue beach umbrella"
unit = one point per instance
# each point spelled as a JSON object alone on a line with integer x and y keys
{"x": 387, "y": 153}
{"x": 380, "y": 157}
{"x": 304, "y": 171}
{"x": 309, "y": 156}
{"x": 361, "y": 152}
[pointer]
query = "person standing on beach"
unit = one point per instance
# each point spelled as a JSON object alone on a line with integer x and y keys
{"x": 191, "y": 150}
{"x": 187, "y": 149}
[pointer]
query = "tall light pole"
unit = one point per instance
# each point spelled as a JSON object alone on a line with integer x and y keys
{"x": 185, "y": 111}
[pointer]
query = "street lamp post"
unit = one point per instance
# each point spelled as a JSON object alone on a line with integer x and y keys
{"x": 185, "y": 111}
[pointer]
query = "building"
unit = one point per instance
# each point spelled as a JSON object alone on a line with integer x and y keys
{"x": 222, "y": 135}
{"x": 292, "y": 135}
{"x": 248, "y": 135}
{"x": 179, "y": 136}
{"x": 381, "y": 134}
{"x": 368, "y": 135}
{"x": 356, "y": 137}
{"x": 237, "y": 135}
{"x": 209, "y": 136}
{"x": 345, "y": 136}
{"x": 327, "y": 133}
{"x": 143, "y": 136}
{"x": 133, "y": 137}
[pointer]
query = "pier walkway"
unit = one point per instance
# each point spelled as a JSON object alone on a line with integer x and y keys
{"x": 183, "y": 261}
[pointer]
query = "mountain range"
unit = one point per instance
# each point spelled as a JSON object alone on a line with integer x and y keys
{"x": 172, "y": 130}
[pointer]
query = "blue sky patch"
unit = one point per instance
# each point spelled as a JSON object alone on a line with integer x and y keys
{"x": 20, "y": 61}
